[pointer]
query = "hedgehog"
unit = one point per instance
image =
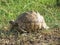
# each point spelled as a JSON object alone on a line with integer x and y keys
{"x": 29, "y": 21}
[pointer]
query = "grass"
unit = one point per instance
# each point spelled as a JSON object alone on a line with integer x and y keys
{"x": 10, "y": 9}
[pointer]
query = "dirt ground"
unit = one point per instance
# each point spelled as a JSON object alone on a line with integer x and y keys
{"x": 43, "y": 37}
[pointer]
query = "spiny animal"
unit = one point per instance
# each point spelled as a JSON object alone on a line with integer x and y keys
{"x": 29, "y": 21}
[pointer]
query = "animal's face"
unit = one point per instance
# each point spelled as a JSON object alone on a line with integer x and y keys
{"x": 13, "y": 25}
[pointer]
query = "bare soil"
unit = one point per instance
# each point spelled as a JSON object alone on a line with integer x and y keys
{"x": 43, "y": 37}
